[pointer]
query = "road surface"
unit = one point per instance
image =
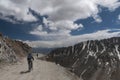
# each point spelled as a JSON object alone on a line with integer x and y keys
{"x": 42, "y": 70}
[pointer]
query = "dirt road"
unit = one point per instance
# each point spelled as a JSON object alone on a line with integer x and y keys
{"x": 42, "y": 70}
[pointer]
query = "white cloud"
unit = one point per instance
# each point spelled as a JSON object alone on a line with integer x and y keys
{"x": 57, "y": 10}
{"x": 118, "y": 20}
{"x": 39, "y": 31}
{"x": 119, "y": 17}
{"x": 97, "y": 18}
{"x": 71, "y": 40}
{"x": 18, "y": 8}
{"x": 56, "y": 29}
{"x": 110, "y": 4}
{"x": 62, "y": 14}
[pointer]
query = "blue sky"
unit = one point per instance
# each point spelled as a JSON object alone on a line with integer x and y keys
{"x": 109, "y": 21}
{"x": 58, "y": 23}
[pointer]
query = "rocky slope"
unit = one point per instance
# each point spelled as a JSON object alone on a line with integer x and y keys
{"x": 91, "y": 60}
{"x": 12, "y": 50}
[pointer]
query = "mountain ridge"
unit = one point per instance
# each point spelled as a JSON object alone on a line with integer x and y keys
{"x": 91, "y": 60}
{"x": 12, "y": 50}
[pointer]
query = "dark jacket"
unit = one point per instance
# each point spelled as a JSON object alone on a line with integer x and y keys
{"x": 30, "y": 57}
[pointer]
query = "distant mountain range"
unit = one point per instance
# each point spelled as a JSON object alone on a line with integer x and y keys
{"x": 42, "y": 50}
{"x": 91, "y": 60}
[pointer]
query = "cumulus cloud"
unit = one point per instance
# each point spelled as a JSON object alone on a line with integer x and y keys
{"x": 16, "y": 8}
{"x": 57, "y": 10}
{"x": 62, "y": 15}
{"x": 97, "y": 18}
{"x": 71, "y": 40}
{"x": 72, "y": 9}
{"x": 110, "y": 4}
{"x": 118, "y": 20}
{"x": 38, "y": 31}
{"x": 119, "y": 17}
{"x": 55, "y": 30}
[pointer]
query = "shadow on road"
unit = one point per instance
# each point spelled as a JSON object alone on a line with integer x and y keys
{"x": 24, "y": 72}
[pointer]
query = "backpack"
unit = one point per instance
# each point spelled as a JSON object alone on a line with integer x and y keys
{"x": 29, "y": 57}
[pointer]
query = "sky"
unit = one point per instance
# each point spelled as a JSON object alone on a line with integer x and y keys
{"x": 59, "y": 23}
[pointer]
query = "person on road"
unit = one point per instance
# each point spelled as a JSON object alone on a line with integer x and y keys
{"x": 37, "y": 55}
{"x": 30, "y": 61}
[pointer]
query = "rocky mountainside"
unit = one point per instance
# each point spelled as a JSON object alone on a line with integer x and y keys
{"x": 91, "y": 60}
{"x": 12, "y": 50}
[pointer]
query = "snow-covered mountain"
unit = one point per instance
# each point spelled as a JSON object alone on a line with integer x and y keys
{"x": 12, "y": 50}
{"x": 91, "y": 60}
